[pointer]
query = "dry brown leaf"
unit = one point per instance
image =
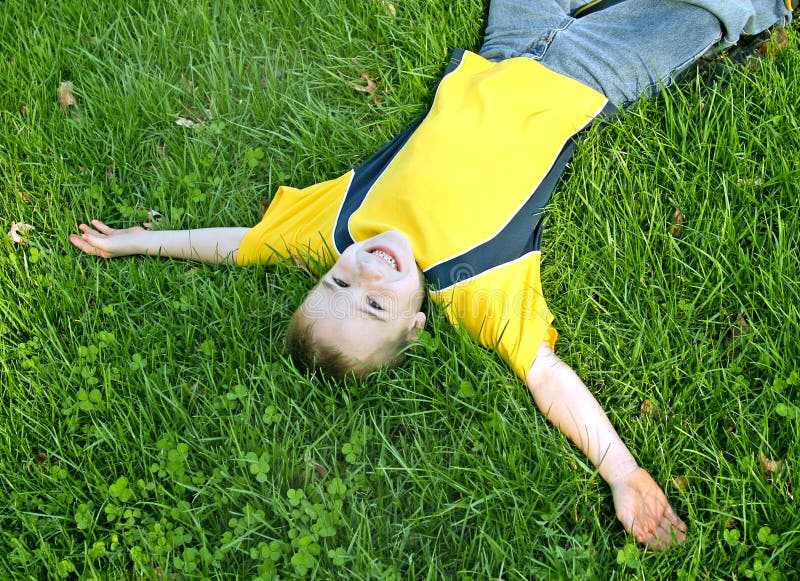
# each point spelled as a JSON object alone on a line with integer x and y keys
{"x": 741, "y": 327}
{"x": 650, "y": 409}
{"x": 301, "y": 265}
{"x": 368, "y": 88}
{"x": 319, "y": 470}
{"x": 110, "y": 172}
{"x": 18, "y": 232}
{"x": 65, "y": 97}
{"x": 184, "y": 122}
{"x": 153, "y": 217}
{"x": 24, "y": 196}
{"x": 681, "y": 483}
{"x": 676, "y": 223}
{"x": 778, "y": 42}
{"x": 314, "y": 470}
{"x": 187, "y": 85}
{"x": 40, "y": 461}
{"x": 770, "y": 466}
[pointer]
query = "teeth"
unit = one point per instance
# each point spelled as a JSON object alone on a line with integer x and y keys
{"x": 387, "y": 257}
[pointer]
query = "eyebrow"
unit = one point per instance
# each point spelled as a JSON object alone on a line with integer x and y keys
{"x": 331, "y": 286}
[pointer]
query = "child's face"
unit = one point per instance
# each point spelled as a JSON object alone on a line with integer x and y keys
{"x": 369, "y": 298}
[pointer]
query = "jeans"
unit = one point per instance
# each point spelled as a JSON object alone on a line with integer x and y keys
{"x": 628, "y": 50}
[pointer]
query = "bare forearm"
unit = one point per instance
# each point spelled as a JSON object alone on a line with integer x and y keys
{"x": 563, "y": 397}
{"x": 205, "y": 244}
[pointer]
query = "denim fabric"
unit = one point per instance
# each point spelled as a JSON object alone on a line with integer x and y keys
{"x": 629, "y": 50}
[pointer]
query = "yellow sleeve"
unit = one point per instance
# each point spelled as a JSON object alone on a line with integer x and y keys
{"x": 298, "y": 222}
{"x": 503, "y": 309}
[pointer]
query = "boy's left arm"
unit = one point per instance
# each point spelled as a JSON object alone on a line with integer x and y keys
{"x": 640, "y": 503}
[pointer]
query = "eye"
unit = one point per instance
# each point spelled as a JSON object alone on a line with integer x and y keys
{"x": 340, "y": 283}
{"x": 374, "y": 304}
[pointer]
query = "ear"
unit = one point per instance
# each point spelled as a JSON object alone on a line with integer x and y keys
{"x": 417, "y": 325}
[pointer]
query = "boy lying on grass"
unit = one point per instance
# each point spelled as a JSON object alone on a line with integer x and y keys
{"x": 456, "y": 201}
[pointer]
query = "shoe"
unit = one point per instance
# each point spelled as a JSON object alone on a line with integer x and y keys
{"x": 718, "y": 63}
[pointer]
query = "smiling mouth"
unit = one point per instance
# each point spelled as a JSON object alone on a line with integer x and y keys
{"x": 386, "y": 257}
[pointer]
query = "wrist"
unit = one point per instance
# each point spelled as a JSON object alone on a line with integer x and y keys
{"x": 620, "y": 471}
{"x": 143, "y": 242}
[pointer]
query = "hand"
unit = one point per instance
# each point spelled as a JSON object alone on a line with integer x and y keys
{"x": 106, "y": 242}
{"x": 645, "y": 512}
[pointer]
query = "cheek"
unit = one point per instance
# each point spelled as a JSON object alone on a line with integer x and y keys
{"x": 412, "y": 297}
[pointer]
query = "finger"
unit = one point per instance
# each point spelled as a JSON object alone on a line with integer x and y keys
{"x": 89, "y": 230}
{"x": 660, "y": 537}
{"x": 101, "y": 227}
{"x": 83, "y": 245}
{"x": 674, "y": 519}
{"x": 668, "y": 535}
{"x": 647, "y": 538}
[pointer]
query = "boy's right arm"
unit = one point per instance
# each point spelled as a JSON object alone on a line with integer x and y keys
{"x": 216, "y": 245}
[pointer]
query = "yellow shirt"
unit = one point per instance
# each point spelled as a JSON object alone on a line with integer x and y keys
{"x": 467, "y": 185}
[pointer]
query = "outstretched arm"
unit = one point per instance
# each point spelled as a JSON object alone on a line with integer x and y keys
{"x": 640, "y": 503}
{"x": 205, "y": 244}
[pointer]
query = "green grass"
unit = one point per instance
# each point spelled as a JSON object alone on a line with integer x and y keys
{"x": 150, "y": 425}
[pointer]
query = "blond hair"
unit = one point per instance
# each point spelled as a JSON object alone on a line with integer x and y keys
{"x": 309, "y": 354}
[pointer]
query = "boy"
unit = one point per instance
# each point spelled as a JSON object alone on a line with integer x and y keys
{"x": 456, "y": 200}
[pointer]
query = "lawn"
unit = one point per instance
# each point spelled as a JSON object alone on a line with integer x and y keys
{"x": 151, "y": 426}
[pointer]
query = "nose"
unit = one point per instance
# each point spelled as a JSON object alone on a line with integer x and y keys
{"x": 368, "y": 267}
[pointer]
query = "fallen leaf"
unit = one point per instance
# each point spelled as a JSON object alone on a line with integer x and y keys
{"x": 320, "y": 470}
{"x": 778, "y": 42}
{"x": 65, "y": 96}
{"x": 18, "y": 232}
{"x": 40, "y": 461}
{"x": 110, "y": 172}
{"x": 390, "y": 8}
{"x": 368, "y": 88}
{"x": 183, "y": 122}
{"x": 301, "y": 265}
{"x": 153, "y": 217}
{"x": 681, "y": 483}
{"x": 24, "y": 110}
{"x": 648, "y": 408}
{"x": 187, "y": 85}
{"x": 676, "y": 223}
{"x": 770, "y": 466}
{"x": 24, "y": 196}
{"x": 741, "y": 327}
{"x": 750, "y": 183}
